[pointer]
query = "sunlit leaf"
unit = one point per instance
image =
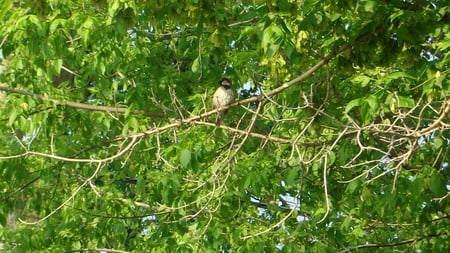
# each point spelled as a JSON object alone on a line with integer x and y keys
{"x": 185, "y": 157}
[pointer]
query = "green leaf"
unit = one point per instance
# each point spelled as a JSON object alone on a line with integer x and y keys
{"x": 140, "y": 185}
{"x": 373, "y": 102}
{"x": 133, "y": 123}
{"x": 438, "y": 143}
{"x": 88, "y": 23}
{"x": 352, "y": 186}
{"x": 437, "y": 184}
{"x": 185, "y": 158}
{"x": 362, "y": 80}
{"x": 56, "y": 65}
{"x": 353, "y": 103}
{"x": 292, "y": 176}
{"x": 215, "y": 38}
{"x": 406, "y": 102}
{"x": 271, "y": 39}
{"x": 398, "y": 75}
{"x": 369, "y": 108}
{"x": 12, "y": 116}
{"x": 319, "y": 213}
{"x": 331, "y": 157}
{"x": 59, "y": 22}
{"x": 368, "y": 5}
{"x": 196, "y": 65}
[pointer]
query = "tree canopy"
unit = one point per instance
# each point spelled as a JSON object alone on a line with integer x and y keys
{"x": 338, "y": 140}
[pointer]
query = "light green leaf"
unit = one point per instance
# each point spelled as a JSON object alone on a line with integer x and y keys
{"x": 352, "y": 186}
{"x": 271, "y": 39}
{"x": 196, "y": 65}
{"x": 12, "y": 116}
{"x": 406, "y": 102}
{"x": 362, "y": 80}
{"x": 373, "y": 102}
{"x": 292, "y": 176}
{"x": 185, "y": 158}
{"x": 57, "y": 23}
{"x": 353, "y": 103}
{"x": 331, "y": 157}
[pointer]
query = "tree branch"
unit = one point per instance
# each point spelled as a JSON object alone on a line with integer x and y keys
{"x": 363, "y": 246}
{"x": 89, "y": 107}
{"x": 98, "y": 250}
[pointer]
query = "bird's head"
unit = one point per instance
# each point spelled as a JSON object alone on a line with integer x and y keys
{"x": 225, "y": 82}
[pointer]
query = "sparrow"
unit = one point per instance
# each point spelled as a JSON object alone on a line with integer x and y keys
{"x": 223, "y": 96}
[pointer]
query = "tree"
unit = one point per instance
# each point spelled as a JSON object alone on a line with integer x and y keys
{"x": 339, "y": 140}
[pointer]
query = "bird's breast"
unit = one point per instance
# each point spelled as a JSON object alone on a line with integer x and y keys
{"x": 223, "y": 97}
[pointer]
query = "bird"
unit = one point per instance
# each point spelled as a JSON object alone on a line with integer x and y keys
{"x": 223, "y": 96}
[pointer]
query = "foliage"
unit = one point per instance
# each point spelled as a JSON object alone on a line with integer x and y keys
{"x": 339, "y": 141}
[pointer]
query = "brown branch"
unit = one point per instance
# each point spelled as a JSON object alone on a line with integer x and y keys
{"x": 244, "y": 22}
{"x": 437, "y": 123}
{"x": 192, "y": 30}
{"x": 409, "y": 241}
{"x": 267, "y": 137}
{"x": 98, "y": 250}
{"x": 89, "y": 107}
{"x": 3, "y": 41}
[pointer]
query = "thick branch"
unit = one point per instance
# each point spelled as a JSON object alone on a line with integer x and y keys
{"x": 409, "y": 241}
{"x": 438, "y": 122}
{"x": 98, "y": 250}
{"x": 89, "y": 107}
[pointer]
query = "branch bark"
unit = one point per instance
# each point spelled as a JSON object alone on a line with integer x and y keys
{"x": 83, "y": 106}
